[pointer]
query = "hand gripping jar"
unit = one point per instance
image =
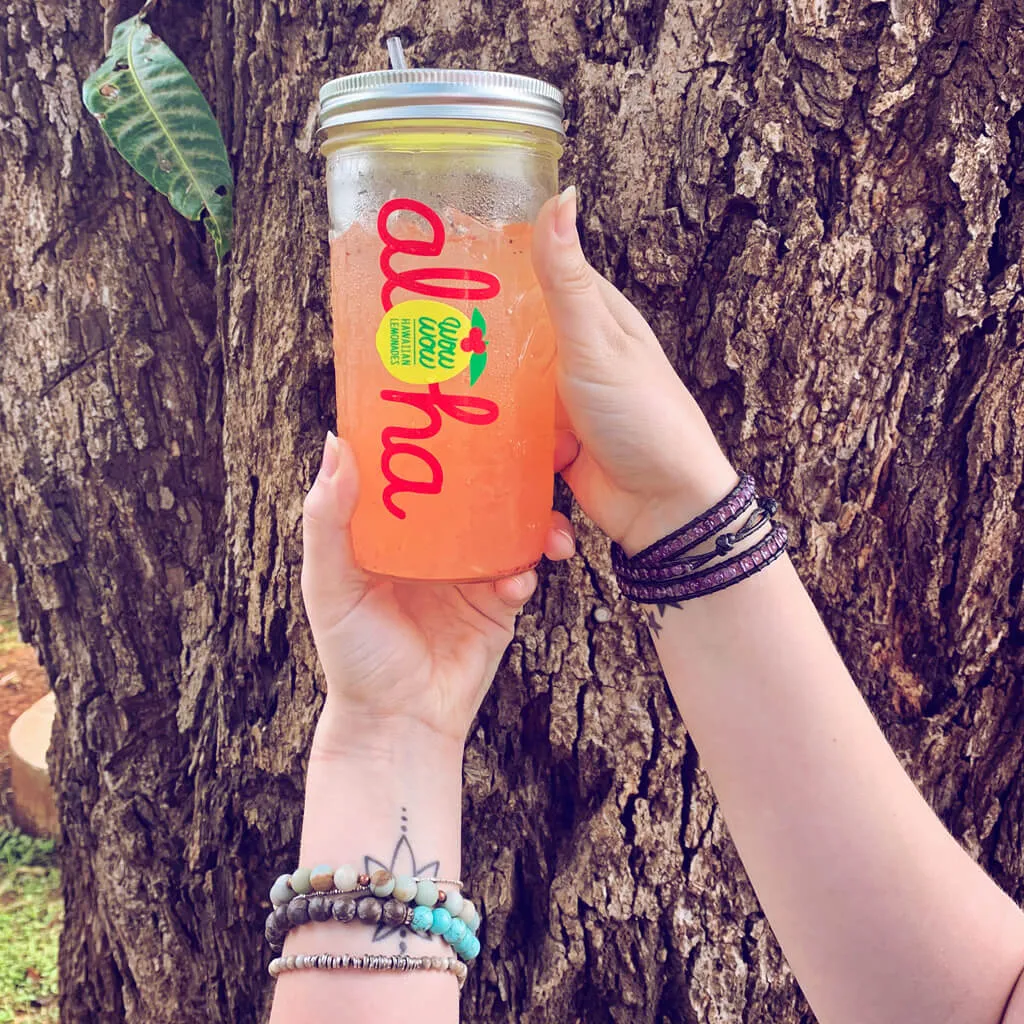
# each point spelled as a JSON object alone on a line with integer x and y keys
{"x": 444, "y": 354}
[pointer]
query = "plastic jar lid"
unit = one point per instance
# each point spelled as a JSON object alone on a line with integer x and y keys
{"x": 435, "y": 93}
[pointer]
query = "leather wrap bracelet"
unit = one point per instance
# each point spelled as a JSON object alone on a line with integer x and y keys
{"x": 671, "y": 570}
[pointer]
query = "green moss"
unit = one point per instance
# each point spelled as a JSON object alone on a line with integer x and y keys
{"x": 9, "y": 638}
{"x": 30, "y": 920}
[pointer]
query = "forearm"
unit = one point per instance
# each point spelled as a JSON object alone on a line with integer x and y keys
{"x": 396, "y": 800}
{"x": 881, "y": 914}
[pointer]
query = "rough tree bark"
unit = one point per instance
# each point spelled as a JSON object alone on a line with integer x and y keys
{"x": 820, "y": 206}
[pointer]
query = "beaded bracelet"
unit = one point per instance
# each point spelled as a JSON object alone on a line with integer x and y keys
{"x": 459, "y": 932}
{"x": 325, "y": 879}
{"x": 750, "y": 562}
{"x": 423, "y": 892}
{"x": 664, "y": 572}
{"x": 698, "y": 529}
{"x": 368, "y": 962}
{"x": 683, "y": 565}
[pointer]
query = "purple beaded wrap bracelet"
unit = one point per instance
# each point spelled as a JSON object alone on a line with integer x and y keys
{"x": 688, "y": 536}
{"x": 664, "y": 572}
{"x": 717, "y": 578}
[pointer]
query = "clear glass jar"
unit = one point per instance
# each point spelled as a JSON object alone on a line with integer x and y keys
{"x": 444, "y": 355}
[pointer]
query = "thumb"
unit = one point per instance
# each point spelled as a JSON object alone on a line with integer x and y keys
{"x": 332, "y": 582}
{"x": 583, "y": 323}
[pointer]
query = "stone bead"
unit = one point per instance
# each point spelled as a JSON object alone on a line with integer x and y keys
{"x": 474, "y": 925}
{"x": 453, "y": 904}
{"x": 467, "y": 912}
{"x": 422, "y": 919}
{"x": 405, "y": 888}
{"x": 442, "y": 921}
{"x": 319, "y": 908}
{"x": 300, "y": 880}
{"x": 461, "y": 971}
{"x": 281, "y": 891}
{"x": 394, "y": 913}
{"x": 344, "y": 909}
{"x": 345, "y": 877}
{"x": 437, "y": 963}
{"x": 298, "y": 910}
{"x": 469, "y": 947}
{"x": 321, "y": 878}
{"x": 369, "y": 910}
{"x": 456, "y": 932}
{"x": 382, "y": 883}
{"x": 426, "y": 893}
{"x": 280, "y": 916}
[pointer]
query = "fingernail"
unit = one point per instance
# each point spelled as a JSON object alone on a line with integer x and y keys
{"x": 566, "y": 544}
{"x": 565, "y": 215}
{"x": 330, "y": 461}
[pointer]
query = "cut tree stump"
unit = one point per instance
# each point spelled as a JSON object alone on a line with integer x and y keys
{"x": 33, "y": 805}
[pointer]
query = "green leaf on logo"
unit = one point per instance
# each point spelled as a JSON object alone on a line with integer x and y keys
{"x": 477, "y": 364}
{"x": 151, "y": 109}
{"x": 477, "y": 320}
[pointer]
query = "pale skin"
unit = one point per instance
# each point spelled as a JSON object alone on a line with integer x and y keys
{"x": 882, "y": 916}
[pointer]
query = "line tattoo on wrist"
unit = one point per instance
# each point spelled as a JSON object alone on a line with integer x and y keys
{"x": 403, "y": 861}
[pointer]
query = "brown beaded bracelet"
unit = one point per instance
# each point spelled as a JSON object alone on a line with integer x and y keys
{"x": 373, "y": 910}
{"x": 343, "y": 907}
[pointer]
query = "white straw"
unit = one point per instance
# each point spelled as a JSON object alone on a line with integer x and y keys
{"x": 395, "y": 53}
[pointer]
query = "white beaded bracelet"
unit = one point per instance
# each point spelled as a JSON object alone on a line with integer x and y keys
{"x": 330, "y": 881}
{"x": 368, "y": 962}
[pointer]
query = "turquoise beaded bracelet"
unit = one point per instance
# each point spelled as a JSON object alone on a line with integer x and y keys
{"x": 312, "y": 894}
{"x": 372, "y": 910}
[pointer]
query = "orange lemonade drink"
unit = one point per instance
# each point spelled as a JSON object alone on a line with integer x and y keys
{"x": 445, "y": 362}
{"x": 444, "y": 355}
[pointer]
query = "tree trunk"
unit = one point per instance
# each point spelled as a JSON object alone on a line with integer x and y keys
{"x": 822, "y": 213}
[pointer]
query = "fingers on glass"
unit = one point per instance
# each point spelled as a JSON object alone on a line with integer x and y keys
{"x": 561, "y": 539}
{"x": 567, "y": 447}
{"x": 515, "y": 591}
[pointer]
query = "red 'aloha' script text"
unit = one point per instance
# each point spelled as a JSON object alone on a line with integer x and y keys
{"x": 435, "y": 404}
{"x": 437, "y": 283}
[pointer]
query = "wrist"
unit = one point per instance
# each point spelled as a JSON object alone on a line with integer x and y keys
{"x": 348, "y": 734}
{"x": 392, "y": 791}
{"x": 661, "y": 514}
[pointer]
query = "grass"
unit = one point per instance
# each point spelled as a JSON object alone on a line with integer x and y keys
{"x": 9, "y": 638}
{"x": 30, "y": 916}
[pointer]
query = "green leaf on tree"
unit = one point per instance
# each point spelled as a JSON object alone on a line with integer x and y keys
{"x": 477, "y": 363}
{"x": 477, "y": 320}
{"x": 151, "y": 109}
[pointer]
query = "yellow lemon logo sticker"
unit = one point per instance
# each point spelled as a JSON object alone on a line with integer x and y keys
{"x": 419, "y": 341}
{"x": 426, "y": 342}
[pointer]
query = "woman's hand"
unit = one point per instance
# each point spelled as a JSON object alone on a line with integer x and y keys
{"x": 641, "y": 458}
{"x": 402, "y": 658}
